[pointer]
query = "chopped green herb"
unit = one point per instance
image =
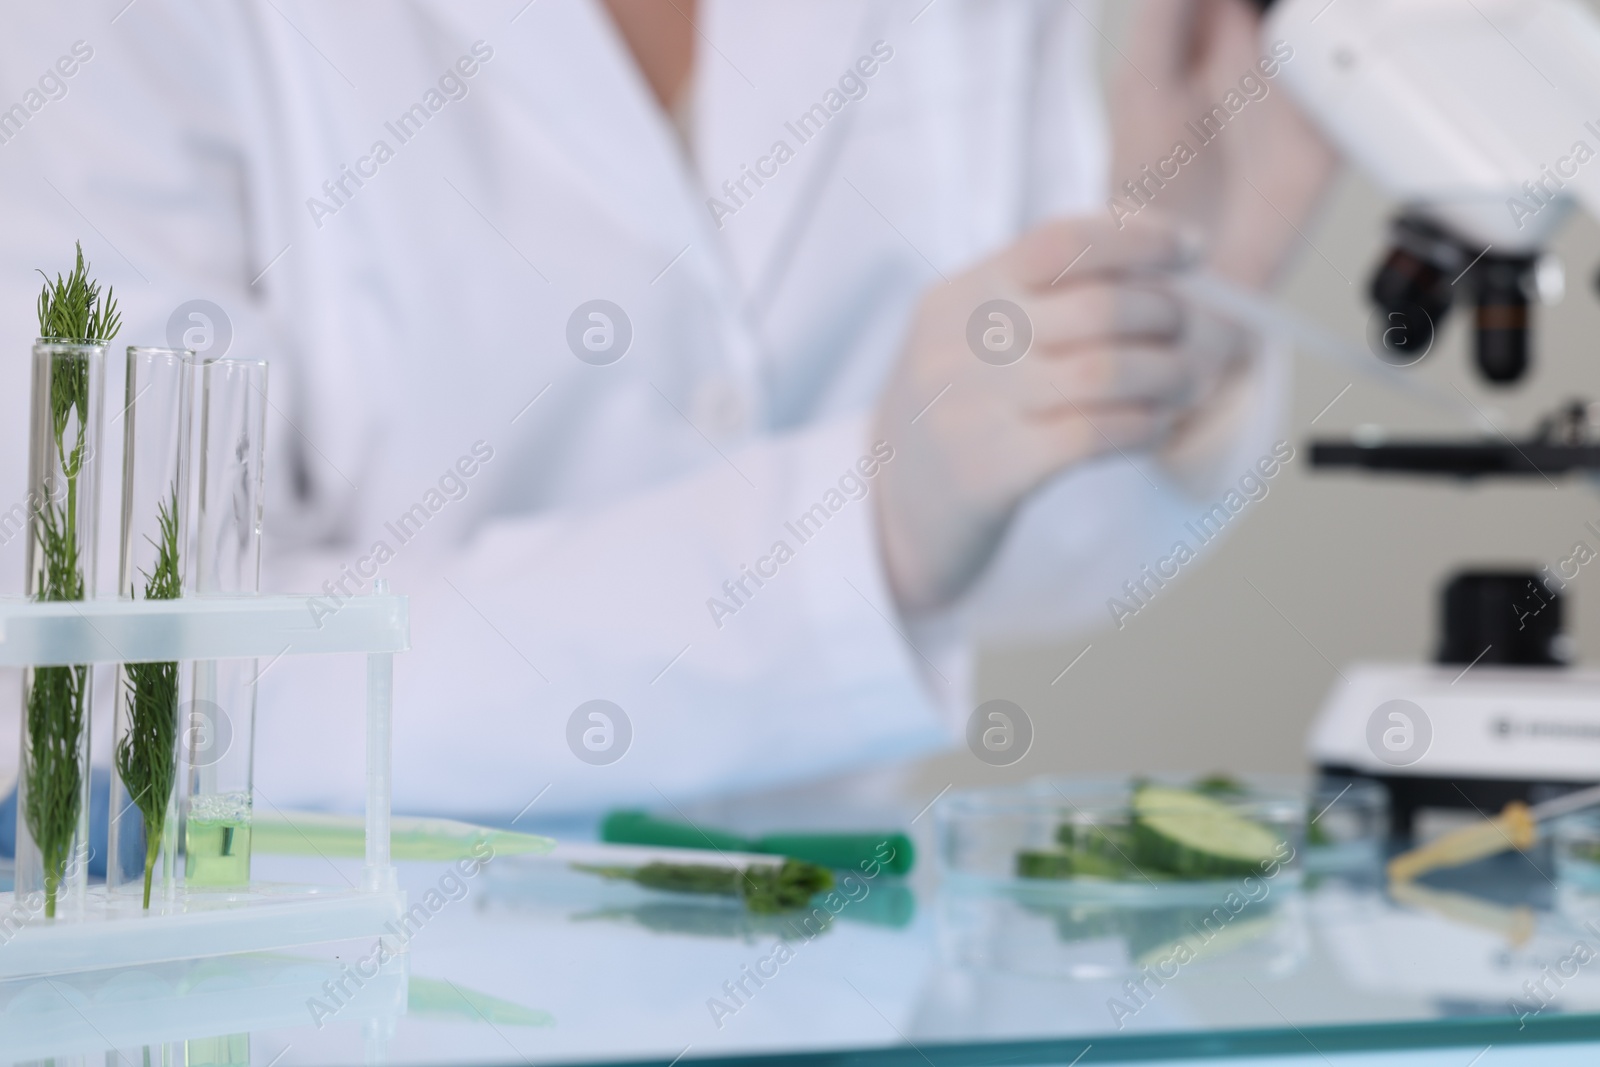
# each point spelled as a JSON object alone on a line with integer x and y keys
{"x": 1221, "y": 785}
{"x": 1060, "y": 865}
{"x": 764, "y": 887}
{"x": 1585, "y": 851}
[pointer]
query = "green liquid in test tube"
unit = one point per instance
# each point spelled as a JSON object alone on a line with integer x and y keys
{"x": 219, "y": 723}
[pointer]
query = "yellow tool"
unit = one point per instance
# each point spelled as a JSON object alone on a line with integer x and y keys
{"x": 1515, "y": 827}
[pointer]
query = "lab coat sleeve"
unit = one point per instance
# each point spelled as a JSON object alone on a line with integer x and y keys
{"x": 737, "y": 616}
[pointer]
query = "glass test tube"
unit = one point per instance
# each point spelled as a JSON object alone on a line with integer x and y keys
{"x": 156, "y": 431}
{"x": 52, "y": 857}
{"x": 231, "y": 407}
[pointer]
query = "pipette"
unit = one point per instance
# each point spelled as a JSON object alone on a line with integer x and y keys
{"x": 1272, "y": 319}
{"x": 1515, "y": 827}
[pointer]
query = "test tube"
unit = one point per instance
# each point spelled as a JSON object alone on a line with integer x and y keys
{"x": 52, "y": 857}
{"x": 219, "y": 730}
{"x": 156, "y": 430}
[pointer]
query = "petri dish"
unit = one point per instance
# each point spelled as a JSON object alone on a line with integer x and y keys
{"x": 1156, "y": 836}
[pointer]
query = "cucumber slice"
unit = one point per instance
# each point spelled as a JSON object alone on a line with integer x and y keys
{"x": 1111, "y": 842}
{"x": 1195, "y": 836}
{"x": 1069, "y": 865}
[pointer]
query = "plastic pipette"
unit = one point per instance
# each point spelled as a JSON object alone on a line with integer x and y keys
{"x": 1272, "y": 319}
{"x": 1515, "y": 827}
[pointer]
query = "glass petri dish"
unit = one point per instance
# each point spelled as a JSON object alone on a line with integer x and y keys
{"x": 1576, "y": 840}
{"x": 1156, "y": 836}
{"x": 1347, "y": 825}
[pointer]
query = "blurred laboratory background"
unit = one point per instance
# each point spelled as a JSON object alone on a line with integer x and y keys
{"x": 1230, "y": 664}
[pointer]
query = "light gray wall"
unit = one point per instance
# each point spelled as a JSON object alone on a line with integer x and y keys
{"x": 1211, "y": 676}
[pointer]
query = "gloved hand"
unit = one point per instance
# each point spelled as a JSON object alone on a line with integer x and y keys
{"x": 974, "y": 433}
{"x": 1248, "y": 190}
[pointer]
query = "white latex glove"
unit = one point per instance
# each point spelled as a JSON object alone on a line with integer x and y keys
{"x": 1249, "y": 191}
{"x": 972, "y": 438}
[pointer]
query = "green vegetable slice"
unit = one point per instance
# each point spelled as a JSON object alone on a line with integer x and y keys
{"x": 1196, "y": 836}
{"x": 1065, "y": 865}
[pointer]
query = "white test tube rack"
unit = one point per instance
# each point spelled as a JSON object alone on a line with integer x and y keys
{"x": 101, "y": 931}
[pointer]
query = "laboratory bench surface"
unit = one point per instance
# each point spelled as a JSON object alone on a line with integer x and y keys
{"x": 529, "y": 962}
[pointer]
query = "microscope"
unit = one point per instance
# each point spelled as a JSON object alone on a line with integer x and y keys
{"x": 1482, "y": 119}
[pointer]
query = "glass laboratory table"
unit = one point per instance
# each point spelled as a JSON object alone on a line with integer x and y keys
{"x": 529, "y": 962}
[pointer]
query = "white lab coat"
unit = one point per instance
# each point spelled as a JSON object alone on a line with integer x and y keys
{"x": 427, "y": 317}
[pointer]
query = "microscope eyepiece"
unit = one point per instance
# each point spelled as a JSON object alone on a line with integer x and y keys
{"x": 1501, "y": 285}
{"x": 1427, "y": 268}
{"x": 1413, "y": 290}
{"x": 1413, "y": 296}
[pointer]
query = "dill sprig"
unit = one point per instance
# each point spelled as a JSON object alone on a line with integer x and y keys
{"x": 71, "y": 310}
{"x": 147, "y": 753}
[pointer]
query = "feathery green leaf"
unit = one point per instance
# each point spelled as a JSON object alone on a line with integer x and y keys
{"x": 147, "y": 753}
{"x": 71, "y": 310}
